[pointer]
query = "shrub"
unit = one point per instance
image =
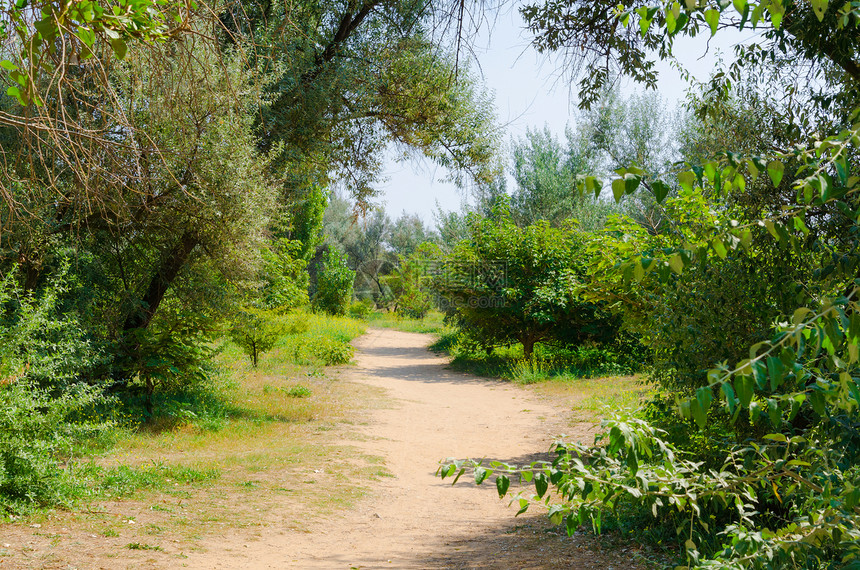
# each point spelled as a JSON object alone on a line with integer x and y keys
{"x": 38, "y": 431}
{"x": 299, "y": 392}
{"x": 334, "y": 284}
{"x": 361, "y": 309}
{"x": 257, "y": 330}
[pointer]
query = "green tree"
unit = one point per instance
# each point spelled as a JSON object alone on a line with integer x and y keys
{"x": 257, "y": 331}
{"x": 545, "y": 173}
{"x": 409, "y": 281}
{"x": 334, "y": 284}
{"x": 511, "y": 284}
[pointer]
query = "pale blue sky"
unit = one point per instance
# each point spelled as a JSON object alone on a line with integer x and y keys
{"x": 529, "y": 92}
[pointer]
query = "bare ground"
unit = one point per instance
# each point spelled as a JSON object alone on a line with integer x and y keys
{"x": 413, "y": 519}
{"x": 409, "y": 519}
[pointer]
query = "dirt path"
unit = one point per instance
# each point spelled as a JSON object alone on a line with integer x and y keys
{"x": 412, "y": 519}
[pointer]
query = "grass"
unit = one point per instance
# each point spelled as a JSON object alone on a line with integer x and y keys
{"x": 561, "y": 364}
{"x": 433, "y": 323}
{"x": 274, "y": 439}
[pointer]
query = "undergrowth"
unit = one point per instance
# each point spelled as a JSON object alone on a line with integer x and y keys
{"x": 52, "y": 440}
{"x": 548, "y": 362}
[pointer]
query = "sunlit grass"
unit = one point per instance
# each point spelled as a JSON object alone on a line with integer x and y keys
{"x": 433, "y": 323}
{"x": 187, "y": 476}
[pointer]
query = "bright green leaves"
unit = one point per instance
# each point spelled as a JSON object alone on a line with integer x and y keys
{"x": 819, "y": 7}
{"x": 687, "y": 179}
{"x": 775, "y": 169}
{"x": 628, "y": 183}
{"x": 77, "y": 31}
{"x": 712, "y": 17}
{"x": 618, "y": 187}
{"x": 590, "y": 184}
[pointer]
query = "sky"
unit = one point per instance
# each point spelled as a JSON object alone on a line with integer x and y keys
{"x": 528, "y": 93}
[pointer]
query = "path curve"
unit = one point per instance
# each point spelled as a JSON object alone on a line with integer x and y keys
{"x": 412, "y": 519}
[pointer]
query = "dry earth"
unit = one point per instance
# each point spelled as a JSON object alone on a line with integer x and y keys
{"x": 410, "y": 519}
{"x": 413, "y": 519}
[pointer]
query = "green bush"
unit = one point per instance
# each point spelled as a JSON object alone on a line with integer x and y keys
{"x": 334, "y": 284}
{"x": 320, "y": 350}
{"x": 38, "y": 431}
{"x": 299, "y": 392}
{"x": 361, "y": 309}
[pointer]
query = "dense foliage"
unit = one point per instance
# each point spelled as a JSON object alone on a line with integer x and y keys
{"x": 745, "y": 290}
{"x": 512, "y": 284}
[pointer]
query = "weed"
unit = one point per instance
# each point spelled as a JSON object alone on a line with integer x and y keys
{"x": 299, "y": 392}
{"x": 140, "y": 546}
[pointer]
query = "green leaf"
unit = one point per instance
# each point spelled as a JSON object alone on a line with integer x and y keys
{"x": 710, "y": 170}
{"x": 712, "y": 17}
{"x": 744, "y": 389}
{"x": 681, "y": 22}
{"x": 660, "y": 189}
{"x": 719, "y": 248}
{"x": 594, "y": 185}
{"x": 699, "y": 414}
{"x": 775, "y": 169}
{"x": 819, "y": 7}
{"x": 676, "y": 262}
{"x": 687, "y": 179}
{"x": 632, "y": 461}
{"x": 87, "y": 36}
{"x": 704, "y": 396}
{"x": 774, "y": 413}
{"x": 631, "y": 182}
{"x": 481, "y": 474}
{"x": 731, "y": 399}
{"x": 15, "y": 92}
{"x": 671, "y": 22}
{"x": 502, "y": 484}
{"x": 119, "y": 48}
{"x": 618, "y": 186}
{"x": 6, "y": 64}
{"x": 541, "y": 484}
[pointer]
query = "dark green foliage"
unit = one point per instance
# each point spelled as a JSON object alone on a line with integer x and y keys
{"x": 334, "y": 284}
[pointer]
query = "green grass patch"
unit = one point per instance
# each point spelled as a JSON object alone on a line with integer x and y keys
{"x": 433, "y": 323}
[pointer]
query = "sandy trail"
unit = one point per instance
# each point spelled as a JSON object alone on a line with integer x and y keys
{"x": 412, "y": 519}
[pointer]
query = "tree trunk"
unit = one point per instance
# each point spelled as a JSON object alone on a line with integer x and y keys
{"x": 170, "y": 267}
{"x": 528, "y": 342}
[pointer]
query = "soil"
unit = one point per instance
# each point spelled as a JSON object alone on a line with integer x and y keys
{"x": 408, "y": 519}
{"x": 413, "y": 519}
